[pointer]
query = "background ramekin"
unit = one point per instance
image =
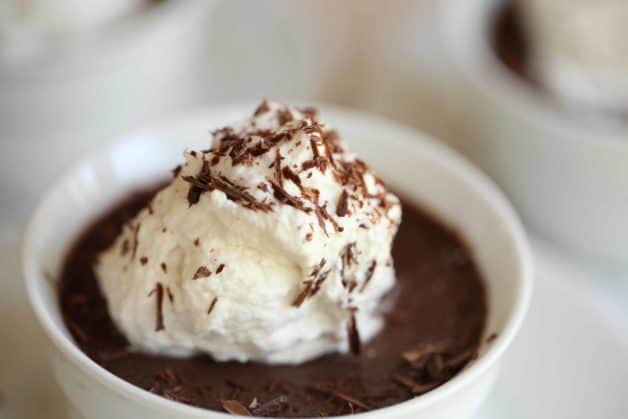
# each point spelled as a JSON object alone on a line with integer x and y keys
{"x": 421, "y": 170}
{"x": 567, "y": 174}
{"x": 88, "y": 87}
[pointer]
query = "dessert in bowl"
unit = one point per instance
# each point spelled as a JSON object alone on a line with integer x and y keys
{"x": 260, "y": 282}
{"x": 542, "y": 120}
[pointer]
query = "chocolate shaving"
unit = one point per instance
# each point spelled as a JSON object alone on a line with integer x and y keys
{"x": 254, "y": 403}
{"x": 332, "y": 138}
{"x": 194, "y": 195}
{"x": 312, "y": 194}
{"x": 196, "y": 188}
{"x": 170, "y": 295}
{"x": 319, "y": 161}
{"x": 204, "y": 181}
{"x": 343, "y": 204}
{"x": 159, "y": 295}
{"x": 284, "y": 116}
{"x": 143, "y": 260}
{"x": 222, "y": 131}
{"x": 328, "y": 151}
{"x": 314, "y": 147}
{"x": 277, "y": 165}
{"x": 262, "y": 108}
{"x": 351, "y": 400}
{"x": 351, "y": 173}
{"x": 313, "y": 285}
{"x": 319, "y": 282}
{"x": 293, "y": 177}
{"x": 272, "y": 407}
{"x": 283, "y": 196}
{"x": 238, "y": 152}
{"x": 318, "y": 268}
{"x": 311, "y": 127}
{"x": 197, "y": 241}
{"x": 347, "y": 259}
{"x": 350, "y": 285}
{"x": 309, "y": 112}
{"x": 321, "y": 220}
{"x": 300, "y": 298}
{"x": 308, "y": 164}
{"x": 168, "y": 376}
{"x": 348, "y": 255}
{"x": 136, "y": 232}
{"x": 235, "y": 407}
{"x": 171, "y": 395}
{"x": 177, "y": 170}
{"x": 412, "y": 385}
{"x": 325, "y": 215}
{"x": 260, "y": 148}
{"x": 321, "y": 388}
{"x": 212, "y": 305}
{"x": 220, "y": 268}
{"x": 202, "y": 272}
{"x": 418, "y": 356}
{"x": 228, "y": 141}
{"x": 164, "y": 267}
{"x": 369, "y": 274}
{"x": 355, "y": 345}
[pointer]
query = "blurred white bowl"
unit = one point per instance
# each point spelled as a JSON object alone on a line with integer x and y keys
{"x": 567, "y": 175}
{"x": 423, "y": 171}
{"x": 80, "y": 89}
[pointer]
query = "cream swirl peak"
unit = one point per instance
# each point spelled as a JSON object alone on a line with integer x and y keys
{"x": 273, "y": 245}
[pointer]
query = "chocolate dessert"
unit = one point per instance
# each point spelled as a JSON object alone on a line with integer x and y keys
{"x": 510, "y": 44}
{"x": 262, "y": 280}
{"x": 434, "y": 327}
{"x": 575, "y": 82}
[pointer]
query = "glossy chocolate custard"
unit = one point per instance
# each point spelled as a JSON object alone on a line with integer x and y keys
{"x": 435, "y": 321}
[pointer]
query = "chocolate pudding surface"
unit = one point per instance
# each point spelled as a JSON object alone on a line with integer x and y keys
{"x": 510, "y": 44}
{"x": 434, "y": 327}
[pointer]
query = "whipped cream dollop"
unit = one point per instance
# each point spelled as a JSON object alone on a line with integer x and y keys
{"x": 273, "y": 245}
{"x": 579, "y": 49}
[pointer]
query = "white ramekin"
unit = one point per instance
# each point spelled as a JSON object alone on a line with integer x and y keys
{"x": 566, "y": 173}
{"x": 422, "y": 170}
{"x": 85, "y": 88}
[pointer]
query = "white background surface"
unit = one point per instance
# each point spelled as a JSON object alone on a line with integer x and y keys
{"x": 378, "y": 56}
